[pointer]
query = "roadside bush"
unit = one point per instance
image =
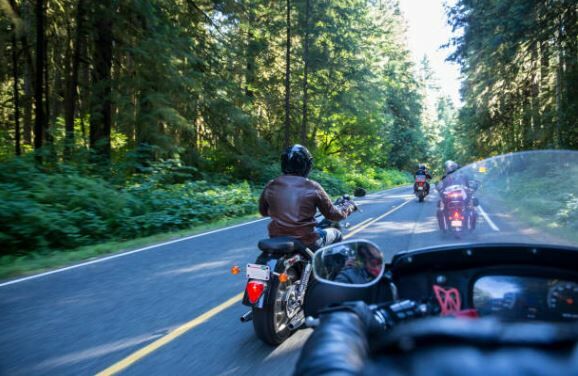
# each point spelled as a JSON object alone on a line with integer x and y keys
{"x": 62, "y": 210}
{"x": 65, "y": 207}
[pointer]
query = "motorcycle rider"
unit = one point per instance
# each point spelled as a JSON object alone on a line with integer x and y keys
{"x": 422, "y": 170}
{"x": 452, "y": 176}
{"x": 291, "y": 200}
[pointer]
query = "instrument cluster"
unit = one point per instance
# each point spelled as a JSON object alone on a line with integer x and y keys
{"x": 522, "y": 297}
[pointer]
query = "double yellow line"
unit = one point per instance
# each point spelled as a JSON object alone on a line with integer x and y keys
{"x": 139, "y": 354}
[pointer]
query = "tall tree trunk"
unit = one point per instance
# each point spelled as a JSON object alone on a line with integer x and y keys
{"x": 250, "y": 56}
{"x": 27, "y": 104}
{"x": 545, "y": 111}
{"x": 569, "y": 134}
{"x": 40, "y": 120}
{"x": 287, "y": 139}
{"x": 559, "y": 77}
{"x": 305, "y": 72}
{"x": 70, "y": 95}
{"x": 15, "y": 76}
{"x": 101, "y": 109}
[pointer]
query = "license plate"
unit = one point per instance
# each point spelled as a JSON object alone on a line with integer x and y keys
{"x": 256, "y": 271}
{"x": 456, "y": 223}
{"x": 420, "y": 188}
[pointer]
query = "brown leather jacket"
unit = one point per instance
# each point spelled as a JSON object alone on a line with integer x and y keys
{"x": 291, "y": 202}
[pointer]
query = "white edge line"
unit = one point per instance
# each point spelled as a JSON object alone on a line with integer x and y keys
{"x": 126, "y": 253}
{"x": 144, "y": 249}
{"x": 487, "y": 218}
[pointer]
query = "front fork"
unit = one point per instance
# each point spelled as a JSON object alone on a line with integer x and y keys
{"x": 304, "y": 282}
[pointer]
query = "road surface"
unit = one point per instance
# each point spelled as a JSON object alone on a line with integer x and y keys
{"x": 174, "y": 308}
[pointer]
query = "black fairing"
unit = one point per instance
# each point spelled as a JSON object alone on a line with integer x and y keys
{"x": 440, "y": 346}
{"x": 320, "y": 295}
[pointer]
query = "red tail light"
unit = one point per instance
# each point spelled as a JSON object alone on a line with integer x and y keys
{"x": 255, "y": 290}
{"x": 457, "y": 215}
{"x": 420, "y": 184}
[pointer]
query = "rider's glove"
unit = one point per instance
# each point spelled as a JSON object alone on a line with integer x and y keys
{"x": 368, "y": 317}
{"x": 348, "y": 207}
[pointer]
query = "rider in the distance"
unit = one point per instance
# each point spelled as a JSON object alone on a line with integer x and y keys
{"x": 423, "y": 171}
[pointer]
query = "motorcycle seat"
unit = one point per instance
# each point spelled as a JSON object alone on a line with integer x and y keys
{"x": 282, "y": 244}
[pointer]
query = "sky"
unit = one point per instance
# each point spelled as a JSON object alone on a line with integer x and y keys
{"x": 427, "y": 31}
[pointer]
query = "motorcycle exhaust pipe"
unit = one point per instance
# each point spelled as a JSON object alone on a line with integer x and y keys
{"x": 248, "y": 316}
{"x": 293, "y": 325}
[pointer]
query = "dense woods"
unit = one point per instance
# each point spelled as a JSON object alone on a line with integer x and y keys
{"x": 135, "y": 117}
{"x": 215, "y": 84}
{"x": 174, "y": 112}
{"x": 520, "y": 64}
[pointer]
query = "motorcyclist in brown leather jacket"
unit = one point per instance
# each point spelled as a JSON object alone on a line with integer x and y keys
{"x": 292, "y": 200}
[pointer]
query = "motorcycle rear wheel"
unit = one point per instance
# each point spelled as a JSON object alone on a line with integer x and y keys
{"x": 271, "y": 322}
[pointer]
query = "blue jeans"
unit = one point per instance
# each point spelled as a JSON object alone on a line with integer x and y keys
{"x": 327, "y": 236}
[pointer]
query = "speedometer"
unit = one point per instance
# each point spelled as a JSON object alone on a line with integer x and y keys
{"x": 563, "y": 298}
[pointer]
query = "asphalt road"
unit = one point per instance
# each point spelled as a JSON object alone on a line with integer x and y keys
{"x": 85, "y": 319}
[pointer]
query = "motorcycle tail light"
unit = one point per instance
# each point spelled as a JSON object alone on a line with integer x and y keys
{"x": 255, "y": 290}
{"x": 457, "y": 215}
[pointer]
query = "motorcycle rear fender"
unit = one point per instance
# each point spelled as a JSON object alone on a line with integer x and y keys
{"x": 271, "y": 262}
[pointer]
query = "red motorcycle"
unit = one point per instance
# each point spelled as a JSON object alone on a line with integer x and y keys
{"x": 457, "y": 210}
{"x": 421, "y": 187}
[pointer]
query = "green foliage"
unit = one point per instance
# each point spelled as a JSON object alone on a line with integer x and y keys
{"x": 64, "y": 209}
{"x": 197, "y": 111}
{"x": 520, "y": 63}
{"x": 542, "y": 198}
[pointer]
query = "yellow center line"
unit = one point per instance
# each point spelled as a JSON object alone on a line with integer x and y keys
{"x": 359, "y": 224}
{"x": 140, "y": 354}
{"x": 136, "y": 356}
{"x": 361, "y": 228}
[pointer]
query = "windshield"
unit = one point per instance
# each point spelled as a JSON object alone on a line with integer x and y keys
{"x": 528, "y": 197}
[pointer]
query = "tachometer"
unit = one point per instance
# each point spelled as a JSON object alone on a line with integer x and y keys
{"x": 563, "y": 298}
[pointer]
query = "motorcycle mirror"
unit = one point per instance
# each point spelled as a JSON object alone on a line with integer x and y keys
{"x": 473, "y": 184}
{"x": 354, "y": 263}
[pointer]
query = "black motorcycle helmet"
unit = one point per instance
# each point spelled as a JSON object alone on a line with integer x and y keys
{"x": 296, "y": 160}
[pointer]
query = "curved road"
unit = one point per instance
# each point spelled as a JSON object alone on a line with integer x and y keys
{"x": 152, "y": 311}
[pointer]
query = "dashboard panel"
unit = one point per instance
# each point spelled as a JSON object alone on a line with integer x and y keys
{"x": 509, "y": 281}
{"x": 523, "y": 297}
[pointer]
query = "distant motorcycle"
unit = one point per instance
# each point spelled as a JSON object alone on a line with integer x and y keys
{"x": 457, "y": 209}
{"x": 277, "y": 284}
{"x": 421, "y": 187}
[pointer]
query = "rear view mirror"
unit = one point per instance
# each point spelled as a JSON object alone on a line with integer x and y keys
{"x": 473, "y": 184}
{"x": 356, "y": 263}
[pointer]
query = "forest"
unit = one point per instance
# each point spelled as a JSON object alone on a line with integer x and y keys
{"x": 519, "y": 60}
{"x": 125, "y": 118}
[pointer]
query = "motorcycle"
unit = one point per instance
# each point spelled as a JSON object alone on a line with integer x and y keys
{"x": 457, "y": 210}
{"x": 504, "y": 306}
{"x": 421, "y": 187}
{"x": 277, "y": 283}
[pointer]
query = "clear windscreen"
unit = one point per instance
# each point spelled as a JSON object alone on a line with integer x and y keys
{"x": 529, "y": 197}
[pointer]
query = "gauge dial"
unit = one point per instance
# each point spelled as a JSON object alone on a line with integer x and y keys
{"x": 563, "y": 298}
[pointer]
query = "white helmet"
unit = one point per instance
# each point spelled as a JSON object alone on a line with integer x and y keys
{"x": 450, "y": 166}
